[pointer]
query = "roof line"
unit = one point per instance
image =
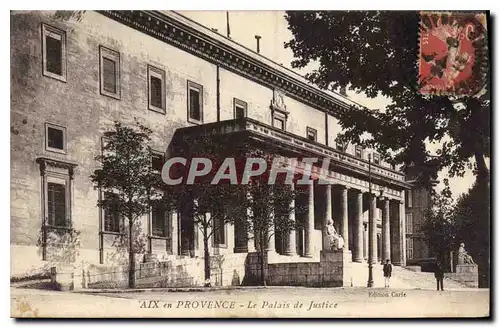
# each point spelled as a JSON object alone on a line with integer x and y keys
{"x": 264, "y": 58}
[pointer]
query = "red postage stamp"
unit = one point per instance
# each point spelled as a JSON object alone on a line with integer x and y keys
{"x": 453, "y": 56}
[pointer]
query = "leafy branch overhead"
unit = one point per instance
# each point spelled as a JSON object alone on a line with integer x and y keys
{"x": 375, "y": 52}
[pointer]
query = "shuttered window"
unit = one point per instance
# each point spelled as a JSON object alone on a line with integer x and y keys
{"x": 111, "y": 214}
{"x": 159, "y": 221}
{"x": 109, "y": 75}
{"x": 110, "y": 72}
{"x": 156, "y": 78}
{"x": 54, "y": 52}
{"x": 56, "y": 204}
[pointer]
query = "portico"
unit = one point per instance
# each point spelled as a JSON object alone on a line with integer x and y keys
{"x": 338, "y": 191}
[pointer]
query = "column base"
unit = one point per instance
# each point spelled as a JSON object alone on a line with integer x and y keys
{"x": 290, "y": 253}
{"x": 358, "y": 260}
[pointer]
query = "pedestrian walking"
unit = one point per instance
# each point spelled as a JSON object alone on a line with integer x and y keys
{"x": 439, "y": 274}
{"x": 387, "y": 272}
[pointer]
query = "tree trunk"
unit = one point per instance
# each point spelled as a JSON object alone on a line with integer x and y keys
{"x": 262, "y": 250}
{"x": 131, "y": 257}
{"x": 206, "y": 257}
{"x": 482, "y": 169}
{"x": 483, "y": 253}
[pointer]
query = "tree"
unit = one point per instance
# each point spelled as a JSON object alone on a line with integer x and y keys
{"x": 439, "y": 226}
{"x": 270, "y": 207}
{"x": 448, "y": 223}
{"x": 375, "y": 52}
{"x": 126, "y": 174}
{"x": 210, "y": 206}
{"x": 471, "y": 219}
{"x": 265, "y": 210}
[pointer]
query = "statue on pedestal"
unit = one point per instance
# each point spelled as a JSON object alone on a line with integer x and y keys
{"x": 463, "y": 257}
{"x": 333, "y": 241}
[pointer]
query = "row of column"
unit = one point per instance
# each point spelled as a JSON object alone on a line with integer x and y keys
{"x": 291, "y": 239}
{"x": 290, "y": 248}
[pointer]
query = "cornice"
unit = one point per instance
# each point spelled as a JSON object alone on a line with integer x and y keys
{"x": 216, "y": 49}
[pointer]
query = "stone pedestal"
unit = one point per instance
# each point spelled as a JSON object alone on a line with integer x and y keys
{"x": 467, "y": 274}
{"x": 63, "y": 277}
{"x": 336, "y": 267}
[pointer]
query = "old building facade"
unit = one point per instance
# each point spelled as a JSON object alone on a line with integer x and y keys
{"x": 74, "y": 73}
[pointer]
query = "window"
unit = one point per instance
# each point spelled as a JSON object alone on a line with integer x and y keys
{"x": 110, "y": 72}
{"x": 409, "y": 248}
{"x": 358, "y": 152}
{"x": 54, "y": 52}
{"x": 219, "y": 231}
{"x": 409, "y": 222}
{"x": 409, "y": 198}
{"x": 195, "y": 103}
{"x": 159, "y": 221}
{"x": 55, "y": 138}
{"x": 279, "y": 123}
{"x": 157, "y": 161}
{"x": 240, "y": 108}
{"x": 311, "y": 134}
{"x": 56, "y": 205}
{"x": 156, "y": 87}
{"x": 376, "y": 158}
{"x": 111, "y": 214}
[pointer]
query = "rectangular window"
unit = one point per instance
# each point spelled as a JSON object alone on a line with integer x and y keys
{"x": 311, "y": 134}
{"x": 157, "y": 161}
{"x": 376, "y": 158}
{"x": 219, "y": 231}
{"x": 109, "y": 72}
{"x": 55, "y": 138}
{"x": 159, "y": 221}
{"x": 409, "y": 222}
{"x": 409, "y": 248}
{"x": 54, "y": 52}
{"x": 56, "y": 204}
{"x": 240, "y": 108}
{"x": 156, "y": 78}
{"x": 358, "y": 152}
{"x": 195, "y": 103}
{"x": 279, "y": 123}
{"x": 111, "y": 214}
{"x": 409, "y": 198}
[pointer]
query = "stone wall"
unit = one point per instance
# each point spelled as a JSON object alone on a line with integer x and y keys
{"x": 226, "y": 270}
{"x": 332, "y": 270}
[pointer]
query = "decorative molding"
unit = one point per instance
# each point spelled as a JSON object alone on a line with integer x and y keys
{"x": 167, "y": 28}
{"x": 46, "y": 161}
{"x": 261, "y": 131}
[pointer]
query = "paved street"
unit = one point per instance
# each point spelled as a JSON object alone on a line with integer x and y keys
{"x": 254, "y": 302}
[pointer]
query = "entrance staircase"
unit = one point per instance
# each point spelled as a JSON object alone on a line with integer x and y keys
{"x": 401, "y": 278}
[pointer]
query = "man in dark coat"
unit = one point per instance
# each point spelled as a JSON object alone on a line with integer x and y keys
{"x": 387, "y": 272}
{"x": 439, "y": 274}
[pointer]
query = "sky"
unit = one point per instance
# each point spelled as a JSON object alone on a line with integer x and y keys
{"x": 273, "y": 29}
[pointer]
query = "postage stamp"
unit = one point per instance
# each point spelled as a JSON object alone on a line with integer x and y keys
{"x": 453, "y": 53}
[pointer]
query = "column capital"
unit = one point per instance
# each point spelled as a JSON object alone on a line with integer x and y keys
{"x": 357, "y": 191}
{"x": 343, "y": 187}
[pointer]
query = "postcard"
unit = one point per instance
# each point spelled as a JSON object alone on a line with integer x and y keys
{"x": 250, "y": 164}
